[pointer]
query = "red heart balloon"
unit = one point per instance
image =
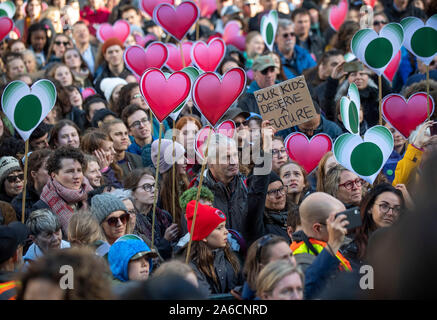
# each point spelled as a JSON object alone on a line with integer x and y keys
{"x": 403, "y": 115}
{"x": 307, "y": 152}
{"x": 86, "y": 92}
{"x": 226, "y": 128}
{"x": 174, "y": 61}
{"x": 213, "y": 96}
{"x": 232, "y": 35}
{"x": 392, "y": 67}
{"x": 176, "y": 21}
{"x": 6, "y": 26}
{"x": 370, "y": 2}
{"x": 208, "y": 56}
{"x": 120, "y": 30}
{"x": 139, "y": 60}
{"x": 164, "y": 95}
{"x": 207, "y": 7}
{"x": 337, "y": 14}
{"x": 149, "y": 5}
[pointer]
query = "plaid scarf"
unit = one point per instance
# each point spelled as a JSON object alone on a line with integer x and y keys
{"x": 60, "y": 199}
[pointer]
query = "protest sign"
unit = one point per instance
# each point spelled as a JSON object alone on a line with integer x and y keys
{"x": 286, "y": 104}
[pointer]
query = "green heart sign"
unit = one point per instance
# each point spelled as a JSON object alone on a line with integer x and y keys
{"x": 367, "y": 156}
{"x": 193, "y": 73}
{"x": 269, "y": 25}
{"x": 350, "y": 109}
{"x": 421, "y": 38}
{"x": 27, "y": 107}
{"x": 376, "y": 51}
{"x": 7, "y": 9}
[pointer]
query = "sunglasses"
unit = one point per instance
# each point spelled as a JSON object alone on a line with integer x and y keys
{"x": 291, "y": 34}
{"x": 244, "y": 123}
{"x": 268, "y": 70}
{"x": 377, "y": 23}
{"x": 124, "y": 218}
{"x": 12, "y": 179}
{"x": 261, "y": 244}
{"x": 58, "y": 43}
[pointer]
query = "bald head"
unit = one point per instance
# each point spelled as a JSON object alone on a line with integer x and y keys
{"x": 316, "y": 208}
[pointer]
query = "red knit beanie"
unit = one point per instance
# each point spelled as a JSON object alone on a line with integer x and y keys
{"x": 111, "y": 42}
{"x": 207, "y": 219}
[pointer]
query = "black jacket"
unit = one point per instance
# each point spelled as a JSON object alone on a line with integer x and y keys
{"x": 32, "y": 197}
{"x": 106, "y": 73}
{"x": 394, "y": 15}
{"x": 131, "y": 161}
{"x": 314, "y": 44}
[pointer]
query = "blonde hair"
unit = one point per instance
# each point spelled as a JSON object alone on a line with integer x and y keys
{"x": 84, "y": 229}
{"x": 274, "y": 272}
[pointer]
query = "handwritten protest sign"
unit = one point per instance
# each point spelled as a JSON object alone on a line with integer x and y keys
{"x": 286, "y": 104}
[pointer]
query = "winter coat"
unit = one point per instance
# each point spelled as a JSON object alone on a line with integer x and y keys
{"x": 32, "y": 197}
{"x": 394, "y": 15}
{"x": 300, "y": 61}
{"x": 130, "y": 162}
{"x": 230, "y": 199}
{"x": 314, "y": 45}
{"x": 406, "y": 169}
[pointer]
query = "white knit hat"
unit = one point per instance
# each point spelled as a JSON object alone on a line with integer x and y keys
{"x": 108, "y": 85}
{"x": 8, "y": 165}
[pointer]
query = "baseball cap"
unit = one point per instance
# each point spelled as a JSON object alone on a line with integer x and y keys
{"x": 263, "y": 62}
{"x": 11, "y": 236}
{"x": 233, "y": 112}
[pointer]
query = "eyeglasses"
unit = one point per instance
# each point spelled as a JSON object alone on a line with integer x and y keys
{"x": 278, "y": 192}
{"x": 244, "y": 123}
{"x": 385, "y": 208}
{"x": 377, "y": 23}
{"x": 268, "y": 70}
{"x": 350, "y": 184}
{"x": 262, "y": 243}
{"x": 138, "y": 123}
{"x": 58, "y": 43}
{"x": 12, "y": 179}
{"x": 276, "y": 152}
{"x": 291, "y": 34}
{"x": 124, "y": 218}
{"x": 147, "y": 187}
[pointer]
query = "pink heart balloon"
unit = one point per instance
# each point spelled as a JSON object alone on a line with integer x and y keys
{"x": 6, "y": 26}
{"x": 307, "y": 153}
{"x": 138, "y": 60}
{"x": 213, "y": 96}
{"x": 226, "y": 128}
{"x": 176, "y": 21}
{"x": 149, "y": 5}
{"x": 174, "y": 61}
{"x": 232, "y": 35}
{"x": 207, "y": 7}
{"x": 208, "y": 56}
{"x": 392, "y": 67}
{"x": 86, "y": 92}
{"x": 141, "y": 41}
{"x": 164, "y": 95}
{"x": 120, "y": 30}
{"x": 337, "y": 14}
{"x": 403, "y": 115}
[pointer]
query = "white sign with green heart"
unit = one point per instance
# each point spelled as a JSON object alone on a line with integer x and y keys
{"x": 367, "y": 156}
{"x": 421, "y": 38}
{"x": 269, "y": 26}
{"x": 7, "y": 9}
{"x": 27, "y": 107}
{"x": 350, "y": 109}
{"x": 376, "y": 51}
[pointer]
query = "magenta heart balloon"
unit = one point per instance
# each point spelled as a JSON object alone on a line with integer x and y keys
{"x": 307, "y": 152}
{"x": 337, "y": 14}
{"x": 208, "y": 56}
{"x": 174, "y": 61}
{"x": 403, "y": 115}
{"x": 226, "y": 128}
{"x": 392, "y": 67}
{"x": 149, "y": 5}
{"x": 6, "y": 26}
{"x": 164, "y": 95}
{"x": 232, "y": 35}
{"x": 213, "y": 96}
{"x": 120, "y": 30}
{"x": 86, "y": 92}
{"x": 141, "y": 41}
{"x": 370, "y": 2}
{"x": 207, "y": 7}
{"x": 138, "y": 60}
{"x": 176, "y": 21}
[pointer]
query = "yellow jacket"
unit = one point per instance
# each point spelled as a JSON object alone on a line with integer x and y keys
{"x": 406, "y": 168}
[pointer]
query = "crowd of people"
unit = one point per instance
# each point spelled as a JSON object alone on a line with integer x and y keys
{"x": 95, "y": 202}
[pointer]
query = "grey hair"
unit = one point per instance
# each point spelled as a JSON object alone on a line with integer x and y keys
{"x": 43, "y": 220}
{"x": 122, "y": 194}
{"x": 332, "y": 179}
{"x": 284, "y": 23}
{"x": 218, "y": 140}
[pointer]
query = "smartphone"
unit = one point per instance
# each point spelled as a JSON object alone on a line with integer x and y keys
{"x": 353, "y": 216}
{"x": 433, "y": 129}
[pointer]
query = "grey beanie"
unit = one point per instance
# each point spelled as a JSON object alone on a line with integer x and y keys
{"x": 102, "y": 205}
{"x": 7, "y": 166}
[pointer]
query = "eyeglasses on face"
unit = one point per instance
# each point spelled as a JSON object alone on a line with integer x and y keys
{"x": 138, "y": 123}
{"x": 289, "y": 34}
{"x": 385, "y": 208}
{"x": 277, "y": 152}
{"x": 124, "y": 218}
{"x": 278, "y": 192}
{"x": 147, "y": 187}
{"x": 378, "y": 22}
{"x": 268, "y": 70}
{"x": 58, "y": 43}
{"x": 244, "y": 123}
{"x": 14, "y": 178}
{"x": 350, "y": 184}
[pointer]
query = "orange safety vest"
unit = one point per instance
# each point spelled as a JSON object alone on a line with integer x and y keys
{"x": 301, "y": 247}
{"x": 7, "y": 286}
